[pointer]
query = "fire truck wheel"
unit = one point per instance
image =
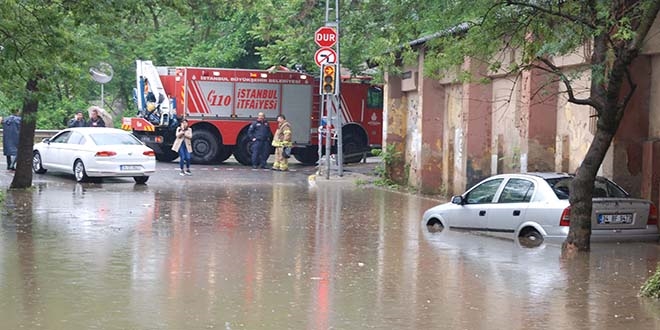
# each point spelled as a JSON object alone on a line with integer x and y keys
{"x": 167, "y": 156}
{"x": 205, "y": 147}
{"x": 225, "y": 153}
{"x": 242, "y": 150}
{"x": 353, "y": 148}
{"x": 306, "y": 155}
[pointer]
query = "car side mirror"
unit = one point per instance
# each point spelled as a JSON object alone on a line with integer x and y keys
{"x": 457, "y": 200}
{"x": 45, "y": 140}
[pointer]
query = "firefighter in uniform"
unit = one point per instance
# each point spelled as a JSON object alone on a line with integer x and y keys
{"x": 281, "y": 140}
{"x": 259, "y": 133}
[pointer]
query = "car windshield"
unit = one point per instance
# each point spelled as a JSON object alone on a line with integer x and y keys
{"x": 602, "y": 188}
{"x": 106, "y": 139}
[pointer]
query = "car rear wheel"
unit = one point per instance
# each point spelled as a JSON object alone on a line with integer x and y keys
{"x": 37, "y": 167}
{"x": 530, "y": 237}
{"x": 141, "y": 179}
{"x": 79, "y": 171}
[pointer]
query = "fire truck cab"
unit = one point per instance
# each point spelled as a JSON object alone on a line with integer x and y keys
{"x": 220, "y": 104}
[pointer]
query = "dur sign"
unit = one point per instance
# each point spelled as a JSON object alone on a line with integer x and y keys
{"x": 325, "y": 36}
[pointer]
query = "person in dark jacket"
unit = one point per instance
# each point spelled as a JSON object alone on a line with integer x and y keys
{"x": 11, "y": 126}
{"x": 95, "y": 120}
{"x": 78, "y": 120}
{"x": 259, "y": 134}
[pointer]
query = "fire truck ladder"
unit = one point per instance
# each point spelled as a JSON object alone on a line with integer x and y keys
{"x": 149, "y": 80}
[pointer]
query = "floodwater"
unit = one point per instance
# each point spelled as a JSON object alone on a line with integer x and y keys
{"x": 240, "y": 249}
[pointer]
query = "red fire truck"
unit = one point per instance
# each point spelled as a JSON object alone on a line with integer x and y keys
{"x": 220, "y": 104}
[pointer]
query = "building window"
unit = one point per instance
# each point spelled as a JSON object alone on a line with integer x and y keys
{"x": 375, "y": 97}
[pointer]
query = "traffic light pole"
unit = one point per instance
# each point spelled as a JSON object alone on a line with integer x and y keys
{"x": 340, "y": 123}
{"x": 331, "y": 104}
{"x": 328, "y": 135}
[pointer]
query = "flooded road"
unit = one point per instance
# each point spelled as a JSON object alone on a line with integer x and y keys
{"x": 231, "y": 248}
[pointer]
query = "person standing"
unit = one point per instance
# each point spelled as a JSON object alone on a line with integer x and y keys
{"x": 11, "y": 127}
{"x": 95, "y": 120}
{"x": 281, "y": 140}
{"x": 259, "y": 133}
{"x": 78, "y": 120}
{"x": 183, "y": 146}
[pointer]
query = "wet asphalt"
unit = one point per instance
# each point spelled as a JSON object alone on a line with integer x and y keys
{"x": 234, "y": 248}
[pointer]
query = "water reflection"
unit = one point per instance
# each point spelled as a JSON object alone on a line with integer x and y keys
{"x": 19, "y": 210}
{"x": 521, "y": 288}
{"x": 281, "y": 255}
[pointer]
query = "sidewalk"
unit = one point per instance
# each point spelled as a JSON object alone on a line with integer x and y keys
{"x": 351, "y": 172}
{"x": 366, "y": 173}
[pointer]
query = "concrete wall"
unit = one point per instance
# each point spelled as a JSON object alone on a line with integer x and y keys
{"x": 477, "y": 107}
{"x": 576, "y": 125}
{"x": 454, "y": 146}
{"x": 413, "y": 138}
{"x": 650, "y": 185}
{"x": 506, "y": 147}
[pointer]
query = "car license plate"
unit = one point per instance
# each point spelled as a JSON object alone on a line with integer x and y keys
{"x": 130, "y": 167}
{"x": 615, "y": 218}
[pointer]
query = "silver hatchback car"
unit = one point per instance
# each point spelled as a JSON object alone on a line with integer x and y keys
{"x": 534, "y": 207}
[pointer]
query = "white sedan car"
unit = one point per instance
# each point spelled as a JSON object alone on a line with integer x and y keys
{"x": 94, "y": 152}
{"x": 534, "y": 207}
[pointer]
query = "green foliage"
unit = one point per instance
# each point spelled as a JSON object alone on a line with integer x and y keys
{"x": 8, "y": 105}
{"x": 45, "y": 43}
{"x": 388, "y": 157}
{"x": 60, "y": 40}
{"x": 361, "y": 182}
{"x": 651, "y": 287}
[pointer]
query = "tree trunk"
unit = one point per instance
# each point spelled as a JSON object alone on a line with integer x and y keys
{"x": 23, "y": 176}
{"x": 579, "y": 235}
{"x": 610, "y": 114}
{"x": 604, "y": 94}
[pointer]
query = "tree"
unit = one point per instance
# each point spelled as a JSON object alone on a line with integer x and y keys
{"x": 541, "y": 31}
{"x": 37, "y": 41}
{"x": 48, "y": 47}
{"x": 285, "y": 29}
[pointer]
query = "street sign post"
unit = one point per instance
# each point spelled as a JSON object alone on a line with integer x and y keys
{"x": 325, "y": 55}
{"x": 325, "y": 36}
{"x": 327, "y": 58}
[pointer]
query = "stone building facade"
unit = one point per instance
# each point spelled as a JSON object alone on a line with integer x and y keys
{"x": 451, "y": 135}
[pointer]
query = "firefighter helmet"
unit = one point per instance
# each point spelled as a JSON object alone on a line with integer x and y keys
{"x": 151, "y": 106}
